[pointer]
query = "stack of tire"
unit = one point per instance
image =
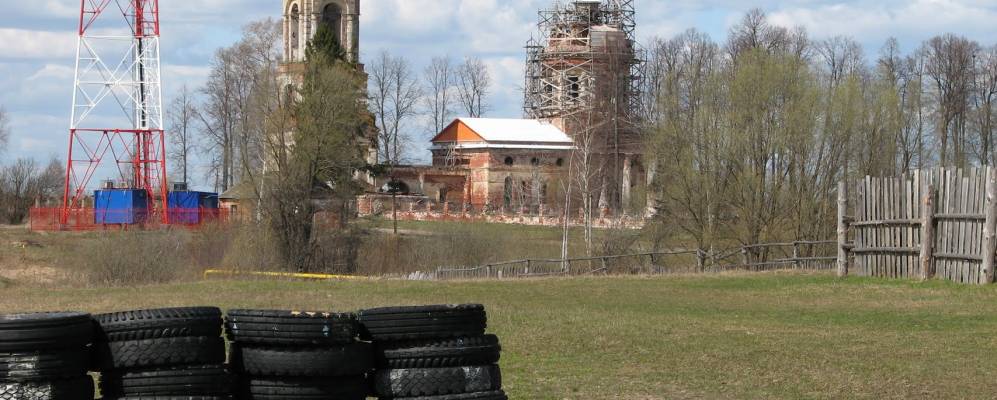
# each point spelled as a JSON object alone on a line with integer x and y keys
{"x": 434, "y": 353}
{"x": 45, "y": 356}
{"x": 166, "y": 354}
{"x": 284, "y": 355}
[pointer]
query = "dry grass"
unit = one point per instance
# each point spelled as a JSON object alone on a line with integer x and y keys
{"x": 368, "y": 248}
{"x": 137, "y": 258}
{"x": 424, "y": 246}
{"x": 767, "y": 336}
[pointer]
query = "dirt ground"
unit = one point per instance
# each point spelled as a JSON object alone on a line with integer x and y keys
{"x": 35, "y": 259}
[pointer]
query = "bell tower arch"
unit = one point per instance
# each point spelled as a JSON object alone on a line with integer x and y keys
{"x": 303, "y": 17}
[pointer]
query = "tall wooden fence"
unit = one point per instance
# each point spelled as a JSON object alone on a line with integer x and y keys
{"x": 932, "y": 223}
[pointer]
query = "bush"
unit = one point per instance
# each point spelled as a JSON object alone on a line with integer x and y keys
{"x": 138, "y": 258}
{"x": 250, "y": 247}
{"x": 337, "y": 251}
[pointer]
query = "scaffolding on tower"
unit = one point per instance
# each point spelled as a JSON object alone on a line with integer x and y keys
{"x": 576, "y": 45}
{"x": 117, "y": 123}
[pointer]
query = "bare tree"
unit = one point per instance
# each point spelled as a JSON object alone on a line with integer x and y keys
{"x": 394, "y": 94}
{"x": 842, "y": 57}
{"x": 230, "y": 117}
{"x": 473, "y": 86}
{"x": 182, "y": 115}
{"x": 984, "y": 101}
{"x": 950, "y": 64}
{"x": 23, "y": 183}
{"x": 4, "y": 130}
{"x": 219, "y": 118}
{"x": 588, "y": 170}
{"x": 440, "y": 80}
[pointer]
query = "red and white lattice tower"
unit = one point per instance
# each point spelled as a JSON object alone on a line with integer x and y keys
{"x": 117, "y": 117}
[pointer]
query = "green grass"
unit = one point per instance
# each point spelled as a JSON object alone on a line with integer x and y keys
{"x": 781, "y": 336}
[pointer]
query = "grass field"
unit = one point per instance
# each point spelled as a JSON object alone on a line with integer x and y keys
{"x": 782, "y": 336}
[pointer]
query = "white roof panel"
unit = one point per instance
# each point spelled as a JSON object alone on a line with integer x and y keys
{"x": 516, "y": 130}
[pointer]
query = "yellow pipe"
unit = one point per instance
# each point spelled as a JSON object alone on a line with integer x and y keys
{"x": 324, "y": 277}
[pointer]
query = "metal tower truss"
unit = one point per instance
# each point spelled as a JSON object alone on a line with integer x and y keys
{"x": 117, "y": 126}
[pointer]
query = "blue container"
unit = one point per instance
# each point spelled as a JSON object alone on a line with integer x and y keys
{"x": 191, "y": 208}
{"x": 121, "y": 206}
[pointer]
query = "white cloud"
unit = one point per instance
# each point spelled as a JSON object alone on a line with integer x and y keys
{"x": 53, "y": 71}
{"x": 507, "y": 90}
{"x": 861, "y": 19}
{"x": 29, "y": 44}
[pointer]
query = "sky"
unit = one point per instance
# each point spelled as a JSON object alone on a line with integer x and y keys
{"x": 38, "y": 42}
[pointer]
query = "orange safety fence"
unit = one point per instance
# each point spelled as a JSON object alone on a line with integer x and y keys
{"x": 89, "y": 219}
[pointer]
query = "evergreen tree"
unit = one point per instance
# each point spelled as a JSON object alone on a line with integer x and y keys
{"x": 327, "y": 44}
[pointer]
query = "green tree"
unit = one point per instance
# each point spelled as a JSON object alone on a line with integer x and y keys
{"x": 325, "y": 44}
{"x": 315, "y": 172}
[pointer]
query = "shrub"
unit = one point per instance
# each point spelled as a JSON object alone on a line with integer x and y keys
{"x": 251, "y": 247}
{"x": 137, "y": 258}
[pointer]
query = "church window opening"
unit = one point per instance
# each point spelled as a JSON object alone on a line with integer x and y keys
{"x": 574, "y": 87}
{"x": 507, "y": 196}
{"x": 295, "y": 31}
{"x": 332, "y": 16}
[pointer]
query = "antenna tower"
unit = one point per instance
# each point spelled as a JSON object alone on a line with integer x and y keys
{"x": 117, "y": 116}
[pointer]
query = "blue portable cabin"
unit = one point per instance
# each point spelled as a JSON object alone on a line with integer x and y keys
{"x": 121, "y": 206}
{"x": 192, "y": 208}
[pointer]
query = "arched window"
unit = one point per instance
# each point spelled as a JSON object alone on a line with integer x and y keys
{"x": 507, "y": 195}
{"x": 332, "y": 15}
{"x": 289, "y": 94}
{"x": 294, "y": 30}
{"x": 560, "y": 162}
{"x": 509, "y": 161}
{"x": 535, "y": 162}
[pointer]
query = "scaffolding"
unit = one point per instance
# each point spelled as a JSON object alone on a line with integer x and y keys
{"x": 585, "y": 72}
{"x": 580, "y": 45}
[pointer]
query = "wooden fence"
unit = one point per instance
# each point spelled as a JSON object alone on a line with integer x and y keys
{"x": 933, "y": 223}
{"x": 811, "y": 256}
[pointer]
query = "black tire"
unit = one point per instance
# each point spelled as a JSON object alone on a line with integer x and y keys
{"x": 72, "y": 389}
{"x": 478, "y": 350}
{"x": 154, "y": 353}
{"x": 272, "y": 327}
{"x": 160, "y": 323}
{"x": 425, "y": 322}
{"x": 393, "y": 383}
{"x": 170, "y": 398}
{"x": 45, "y": 331}
{"x": 194, "y": 380}
{"x": 352, "y": 388}
{"x": 44, "y": 365}
{"x": 493, "y": 395}
{"x": 343, "y": 360}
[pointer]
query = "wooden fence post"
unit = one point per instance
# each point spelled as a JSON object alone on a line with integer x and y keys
{"x": 796, "y": 256}
{"x": 990, "y": 228}
{"x": 928, "y": 233}
{"x": 842, "y": 230}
